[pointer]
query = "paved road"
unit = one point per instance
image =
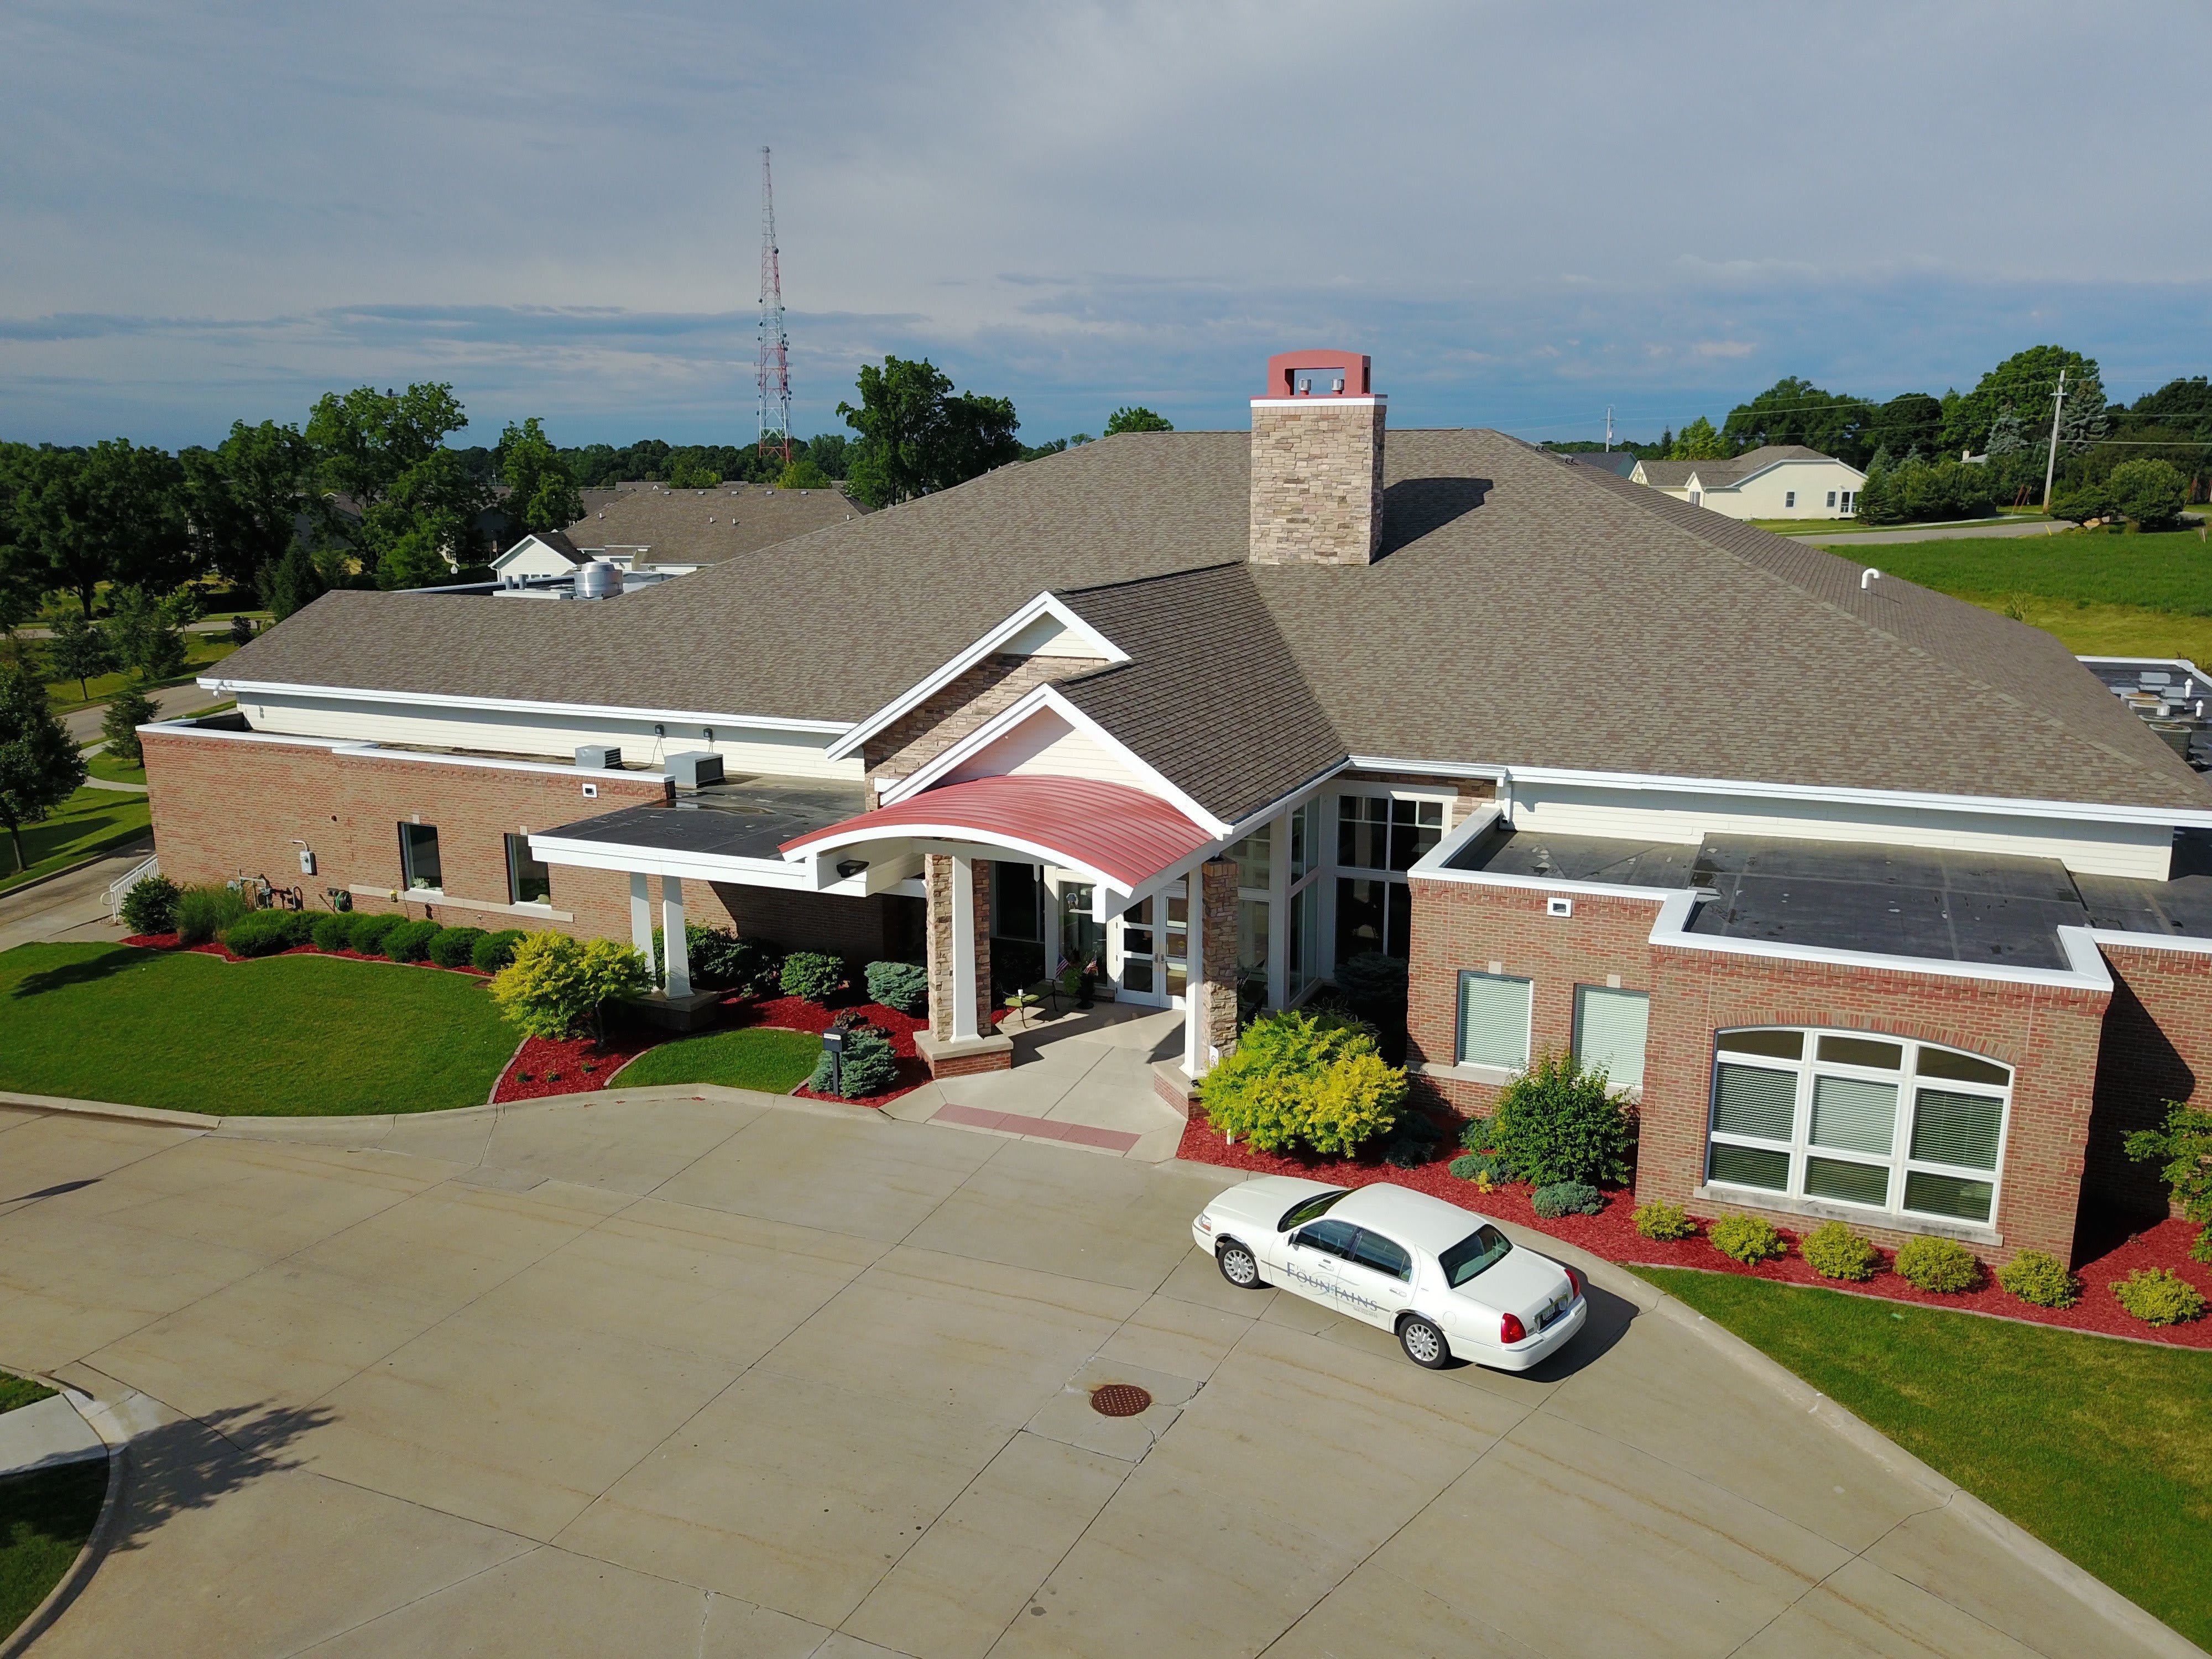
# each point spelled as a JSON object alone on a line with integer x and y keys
{"x": 1843, "y": 538}
{"x": 169, "y": 702}
{"x": 70, "y": 907}
{"x": 658, "y": 1374}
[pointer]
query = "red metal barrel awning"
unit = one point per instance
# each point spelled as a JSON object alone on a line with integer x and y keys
{"x": 1111, "y": 829}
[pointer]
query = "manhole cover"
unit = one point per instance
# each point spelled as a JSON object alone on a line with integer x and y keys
{"x": 1119, "y": 1399}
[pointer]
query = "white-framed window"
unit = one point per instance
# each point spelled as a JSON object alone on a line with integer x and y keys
{"x": 1378, "y": 838}
{"x": 1609, "y": 1031}
{"x": 1308, "y": 860}
{"x": 1254, "y": 857}
{"x": 1788, "y": 498}
{"x": 1857, "y": 1118}
{"x": 1697, "y": 498}
{"x": 1494, "y": 1012}
{"x": 1831, "y": 498}
{"x": 1849, "y": 497}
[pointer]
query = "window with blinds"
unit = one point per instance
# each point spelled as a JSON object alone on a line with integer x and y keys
{"x": 1856, "y": 1118}
{"x": 1494, "y": 1021}
{"x": 1609, "y": 1031}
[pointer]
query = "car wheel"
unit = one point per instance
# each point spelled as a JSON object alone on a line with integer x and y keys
{"x": 1423, "y": 1343}
{"x": 1239, "y": 1266}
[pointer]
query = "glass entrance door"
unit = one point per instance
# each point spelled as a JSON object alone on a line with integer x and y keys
{"x": 1149, "y": 948}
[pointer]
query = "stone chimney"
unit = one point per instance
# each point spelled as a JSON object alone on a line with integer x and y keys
{"x": 1317, "y": 461}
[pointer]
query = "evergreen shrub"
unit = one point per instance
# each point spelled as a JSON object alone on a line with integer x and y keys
{"x": 332, "y": 930}
{"x": 811, "y": 974}
{"x": 870, "y": 1067}
{"x": 556, "y": 985}
{"x": 1556, "y": 1122}
{"x": 1834, "y": 1251}
{"x": 1942, "y": 1266}
{"x": 150, "y": 906}
{"x": 2040, "y": 1279}
{"x": 455, "y": 947}
{"x": 410, "y": 940}
{"x": 1749, "y": 1239}
{"x": 1566, "y": 1198}
{"x": 495, "y": 951}
{"x": 265, "y": 933}
{"x": 365, "y": 930}
{"x": 900, "y": 985}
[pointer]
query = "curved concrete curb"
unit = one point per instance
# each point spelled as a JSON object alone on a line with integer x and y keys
{"x": 42, "y": 1617}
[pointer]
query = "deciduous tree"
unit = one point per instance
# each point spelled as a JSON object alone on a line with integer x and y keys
{"x": 75, "y": 649}
{"x": 1699, "y": 442}
{"x": 541, "y": 494}
{"x": 2027, "y": 381}
{"x": 247, "y": 496}
{"x": 1795, "y": 411}
{"x": 40, "y": 765}
{"x": 917, "y": 436}
{"x": 386, "y": 450}
{"x": 1137, "y": 418}
{"x": 114, "y": 513}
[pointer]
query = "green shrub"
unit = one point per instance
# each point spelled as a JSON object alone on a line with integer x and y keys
{"x": 1299, "y": 1076}
{"x": 2149, "y": 492}
{"x": 1493, "y": 1167}
{"x": 811, "y": 974}
{"x": 495, "y": 951}
{"x": 1413, "y": 1142}
{"x": 410, "y": 940}
{"x": 1556, "y": 1122}
{"x": 454, "y": 947}
{"x": 264, "y": 932}
{"x": 2040, "y": 1280}
{"x": 900, "y": 985}
{"x": 556, "y": 985}
{"x": 1475, "y": 1137}
{"x": 150, "y": 906}
{"x": 2183, "y": 1147}
{"x": 1941, "y": 1265}
{"x": 365, "y": 931}
{"x": 1566, "y": 1198}
{"x": 720, "y": 960}
{"x": 1747, "y": 1238}
{"x": 1663, "y": 1221}
{"x": 870, "y": 1067}
{"x": 2200, "y": 1247}
{"x": 206, "y": 913}
{"x": 2081, "y": 504}
{"x": 1834, "y": 1251}
{"x": 2160, "y": 1295}
{"x": 331, "y": 931}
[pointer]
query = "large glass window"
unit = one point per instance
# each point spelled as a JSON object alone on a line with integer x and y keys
{"x": 418, "y": 857}
{"x": 528, "y": 881}
{"x": 1375, "y": 832}
{"x": 1253, "y": 856}
{"x": 1609, "y": 1030}
{"x": 1494, "y": 1021}
{"x": 1850, "y": 1118}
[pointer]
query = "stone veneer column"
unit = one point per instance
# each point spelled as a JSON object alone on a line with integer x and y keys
{"x": 1212, "y": 990}
{"x": 1316, "y": 480}
{"x": 982, "y": 915}
{"x": 949, "y": 1050}
{"x": 936, "y": 884}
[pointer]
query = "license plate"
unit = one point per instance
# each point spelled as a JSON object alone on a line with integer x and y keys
{"x": 1552, "y": 1315}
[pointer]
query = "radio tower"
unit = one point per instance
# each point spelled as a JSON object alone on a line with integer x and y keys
{"x": 775, "y": 343}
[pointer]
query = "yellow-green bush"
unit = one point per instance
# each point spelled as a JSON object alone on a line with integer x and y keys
{"x": 1663, "y": 1221}
{"x": 1834, "y": 1251}
{"x": 2160, "y": 1295}
{"x": 2040, "y": 1279}
{"x": 1941, "y": 1264}
{"x": 1312, "y": 1077}
{"x": 556, "y": 984}
{"x": 1747, "y": 1238}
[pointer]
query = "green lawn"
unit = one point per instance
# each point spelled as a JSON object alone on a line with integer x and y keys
{"x": 45, "y": 1519}
{"x": 104, "y": 765}
{"x": 200, "y": 651}
{"x": 290, "y": 1036}
{"x": 774, "y": 1062}
{"x": 2166, "y": 570}
{"x": 2101, "y": 1449}
{"x": 18, "y": 1391}
{"x": 86, "y": 822}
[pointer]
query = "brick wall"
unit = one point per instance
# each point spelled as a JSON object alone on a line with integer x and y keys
{"x": 2049, "y": 1035}
{"x": 1316, "y": 483}
{"x": 882, "y": 927}
{"x": 2157, "y": 1047}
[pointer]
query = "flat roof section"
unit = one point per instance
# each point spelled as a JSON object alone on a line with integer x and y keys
{"x": 1891, "y": 901}
{"x": 1504, "y": 852}
{"x": 2180, "y": 907}
{"x": 748, "y": 817}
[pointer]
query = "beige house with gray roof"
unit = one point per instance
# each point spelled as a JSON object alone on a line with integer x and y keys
{"x": 1779, "y": 481}
{"x": 1754, "y": 828}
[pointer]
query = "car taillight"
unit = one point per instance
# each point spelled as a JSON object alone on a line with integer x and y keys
{"x": 1511, "y": 1330}
{"x": 1574, "y": 1281}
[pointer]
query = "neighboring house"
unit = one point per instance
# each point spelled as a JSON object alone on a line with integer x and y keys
{"x": 1781, "y": 481}
{"x": 1879, "y": 904}
{"x": 542, "y": 554}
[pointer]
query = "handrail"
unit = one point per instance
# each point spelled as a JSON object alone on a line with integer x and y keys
{"x": 123, "y": 884}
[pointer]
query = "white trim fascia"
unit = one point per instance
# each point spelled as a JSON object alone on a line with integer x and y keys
{"x": 216, "y": 683}
{"x": 2124, "y": 940}
{"x": 1050, "y": 696}
{"x": 1288, "y": 802}
{"x": 661, "y": 861}
{"x": 1997, "y": 805}
{"x": 1324, "y": 400}
{"x": 2174, "y": 662}
{"x": 952, "y": 838}
{"x": 354, "y": 748}
{"x": 182, "y": 728}
{"x": 2087, "y": 971}
{"x": 1431, "y": 867}
{"x": 1045, "y": 604}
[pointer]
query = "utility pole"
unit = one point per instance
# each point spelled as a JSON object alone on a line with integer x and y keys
{"x": 1608, "y": 428}
{"x": 2051, "y": 466}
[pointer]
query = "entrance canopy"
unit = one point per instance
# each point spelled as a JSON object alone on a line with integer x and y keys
{"x": 1118, "y": 834}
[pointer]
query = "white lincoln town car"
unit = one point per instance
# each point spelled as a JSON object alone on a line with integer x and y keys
{"x": 1447, "y": 1281}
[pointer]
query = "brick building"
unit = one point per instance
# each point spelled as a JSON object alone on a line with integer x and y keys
{"x": 1879, "y": 905}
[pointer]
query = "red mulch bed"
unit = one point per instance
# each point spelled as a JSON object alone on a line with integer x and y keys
{"x": 797, "y": 1014}
{"x": 1611, "y": 1234}
{"x": 542, "y": 1067}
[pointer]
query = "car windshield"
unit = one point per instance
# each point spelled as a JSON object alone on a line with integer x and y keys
{"x": 1479, "y": 1251}
{"x": 1307, "y": 1208}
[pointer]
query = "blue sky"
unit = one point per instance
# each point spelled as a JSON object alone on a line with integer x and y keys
{"x": 1523, "y": 213}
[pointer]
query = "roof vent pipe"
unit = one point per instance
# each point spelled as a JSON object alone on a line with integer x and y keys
{"x": 599, "y": 580}
{"x": 1866, "y": 578}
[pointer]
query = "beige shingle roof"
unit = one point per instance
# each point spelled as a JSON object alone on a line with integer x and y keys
{"x": 705, "y": 527}
{"x": 1526, "y": 612}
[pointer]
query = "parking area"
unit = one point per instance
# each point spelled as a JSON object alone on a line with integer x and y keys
{"x": 699, "y": 1373}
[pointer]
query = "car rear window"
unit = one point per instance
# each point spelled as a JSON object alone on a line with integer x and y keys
{"x": 1479, "y": 1251}
{"x": 1306, "y": 1209}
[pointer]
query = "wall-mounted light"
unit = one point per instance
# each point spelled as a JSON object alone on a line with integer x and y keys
{"x": 848, "y": 868}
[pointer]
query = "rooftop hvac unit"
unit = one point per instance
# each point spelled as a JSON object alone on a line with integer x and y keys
{"x": 694, "y": 770}
{"x": 599, "y": 758}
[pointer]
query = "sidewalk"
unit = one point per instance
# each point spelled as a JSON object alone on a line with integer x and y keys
{"x": 72, "y": 908}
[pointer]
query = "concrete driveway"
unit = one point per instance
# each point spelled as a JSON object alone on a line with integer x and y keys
{"x": 659, "y": 1374}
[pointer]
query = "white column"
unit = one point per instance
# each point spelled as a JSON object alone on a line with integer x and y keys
{"x": 1278, "y": 915}
{"x": 965, "y": 1028}
{"x": 641, "y": 919}
{"x": 1193, "y": 987}
{"x": 673, "y": 942}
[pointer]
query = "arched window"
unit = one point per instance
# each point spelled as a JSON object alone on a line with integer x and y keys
{"x": 1856, "y": 1118}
